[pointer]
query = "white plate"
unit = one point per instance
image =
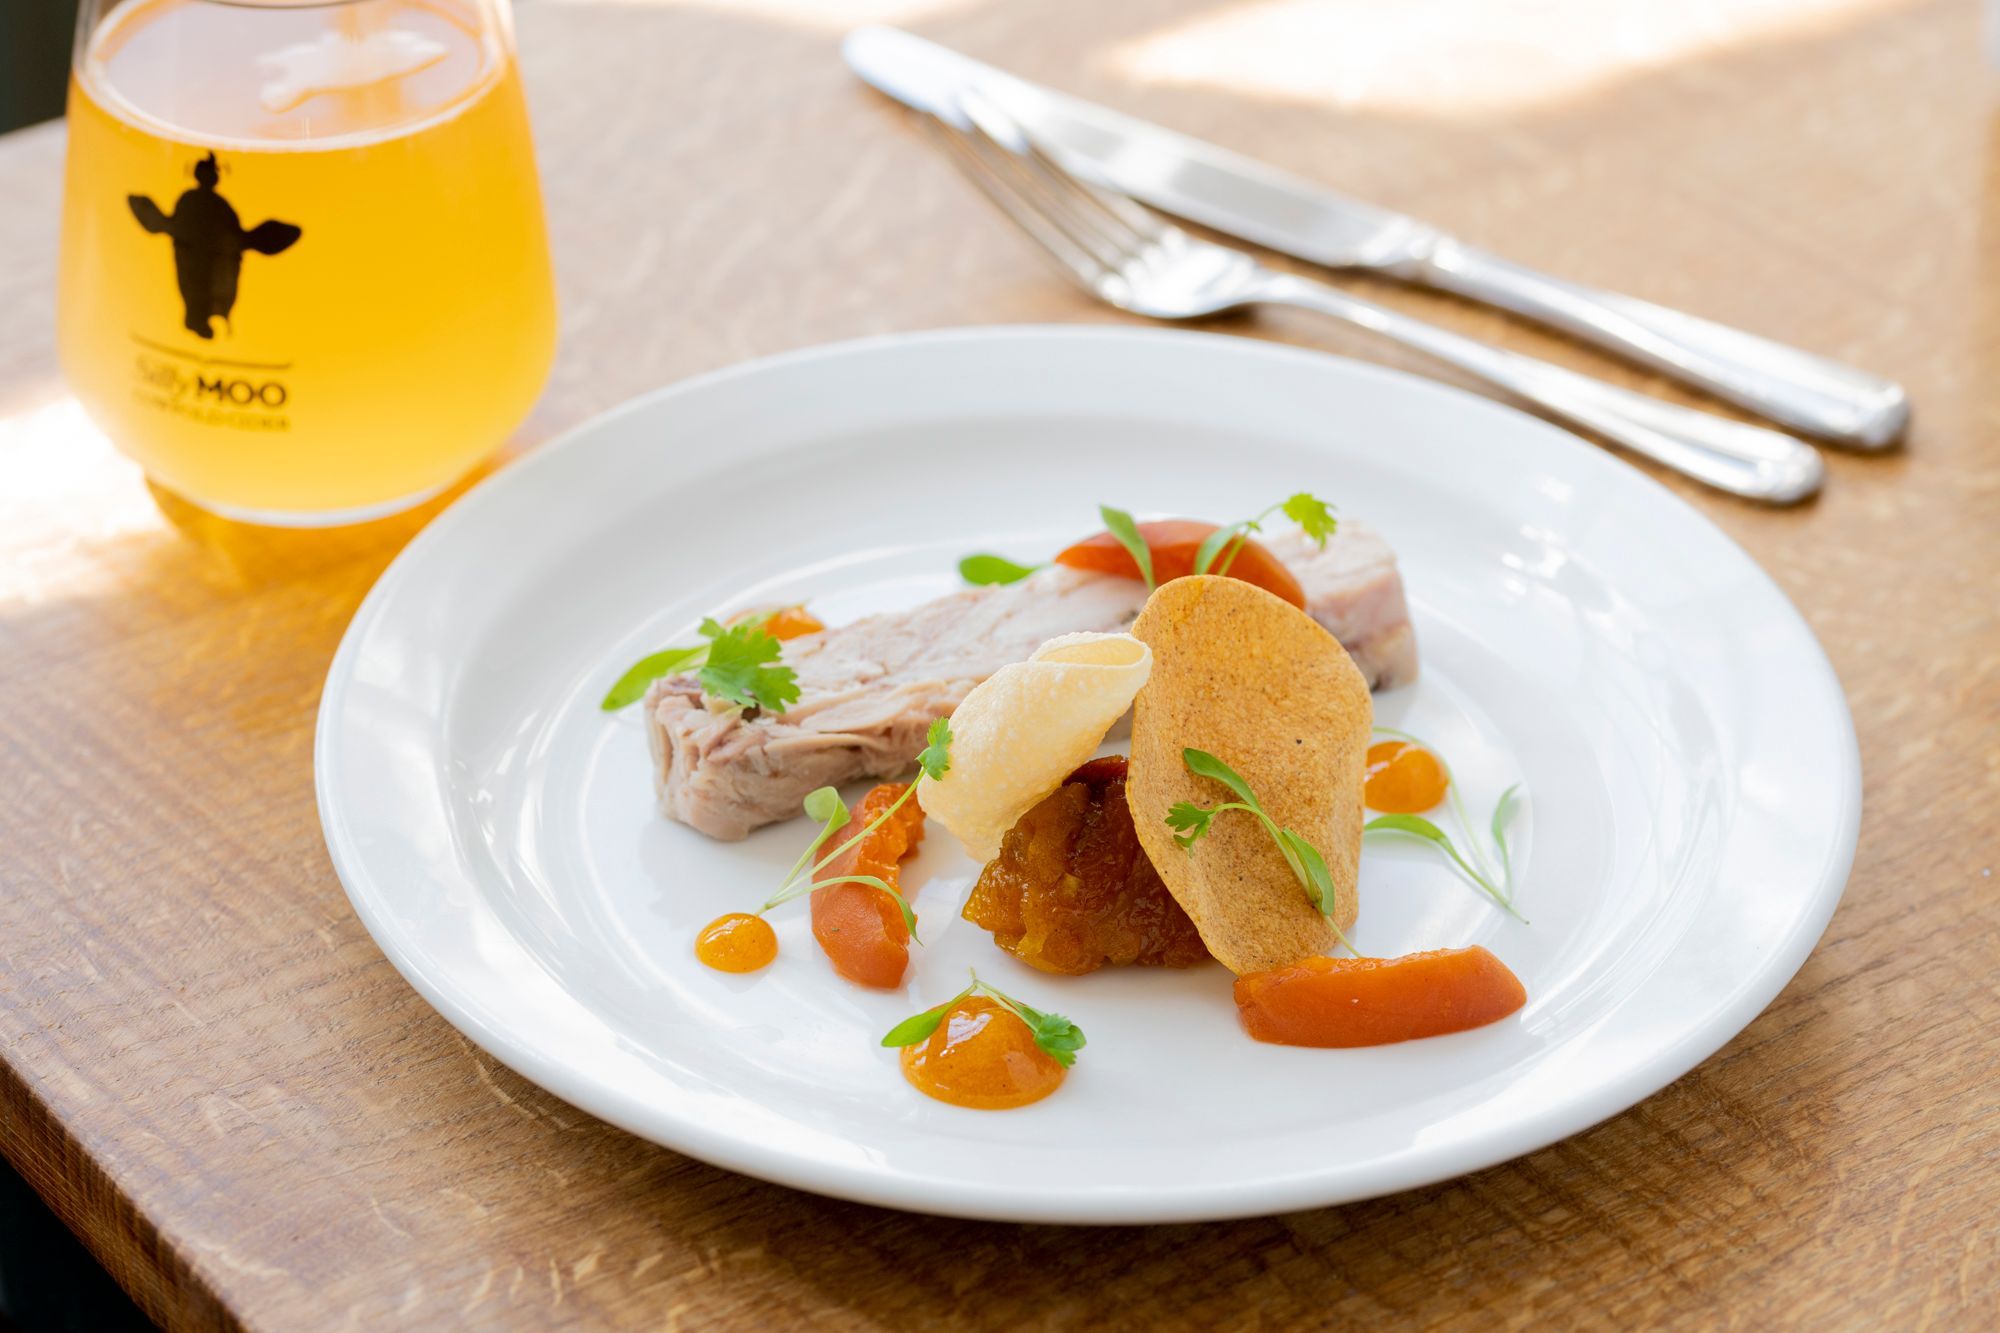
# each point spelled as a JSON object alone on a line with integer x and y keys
{"x": 1694, "y": 784}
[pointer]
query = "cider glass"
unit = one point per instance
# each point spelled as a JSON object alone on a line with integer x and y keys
{"x": 305, "y": 275}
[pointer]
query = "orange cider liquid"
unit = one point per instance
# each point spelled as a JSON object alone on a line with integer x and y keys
{"x": 309, "y": 287}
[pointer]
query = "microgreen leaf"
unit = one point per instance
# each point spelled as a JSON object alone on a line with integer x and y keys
{"x": 1211, "y": 546}
{"x": 1205, "y": 765}
{"x": 876, "y": 882}
{"x": 1120, "y": 525}
{"x": 825, "y": 805}
{"x": 935, "y": 759}
{"x": 1312, "y": 514}
{"x": 1303, "y": 859}
{"x": 1190, "y": 821}
{"x": 740, "y": 667}
{"x": 918, "y": 1026}
{"x": 1059, "y": 1038}
{"x": 1319, "y": 878}
{"x": 1417, "y": 826}
{"x": 1476, "y": 868}
{"x": 984, "y": 569}
{"x": 631, "y": 687}
{"x": 1503, "y": 814}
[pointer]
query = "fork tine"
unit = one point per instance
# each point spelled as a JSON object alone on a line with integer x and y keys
{"x": 1048, "y": 200}
{"x": 1127, "y": 229}
{"x": 1080, "y": 261}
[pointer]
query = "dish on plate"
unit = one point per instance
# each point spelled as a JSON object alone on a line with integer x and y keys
{"x": 1243, "y": 670}
{"x": 1694, "y": 776}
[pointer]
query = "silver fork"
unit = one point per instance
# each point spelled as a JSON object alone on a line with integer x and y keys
{"x": 1129, "y": 256}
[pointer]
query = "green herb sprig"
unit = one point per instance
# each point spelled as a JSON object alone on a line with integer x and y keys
{"x": 1495, "y": 884}
{"x": 739, "y": 663}
{"x": 983, "y": 570}
{"x": 1059, "y": 1038}
{"x": 1191, "y": 822}
{"x": 1121, "y": 525}
{"x": 1311, "y": 513}
{"x": 824, "y": 804}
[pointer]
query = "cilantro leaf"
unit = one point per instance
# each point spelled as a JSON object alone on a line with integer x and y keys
{"x": 1190, "y": 822}
{"x": 935, "y": 760}
{"x": 982, "y": 570}
{"x": 1313, "y": 514}
{"x": 1059, "y": 1038}
{"x": 741, "y": 667}
{"x": 1120, "y": 525}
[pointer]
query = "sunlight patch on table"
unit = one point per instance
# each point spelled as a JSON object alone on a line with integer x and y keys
{"x": 67, "y": 491}
{"x": 1458, "y": 56}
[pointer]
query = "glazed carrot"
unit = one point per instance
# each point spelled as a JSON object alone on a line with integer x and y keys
{"x": 859, "y": 926}
{"x": 1174, "y": 542}
{"x": 1374, "y": 1001}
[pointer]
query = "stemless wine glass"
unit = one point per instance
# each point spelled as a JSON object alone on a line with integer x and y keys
{"x": 305, "y": 276}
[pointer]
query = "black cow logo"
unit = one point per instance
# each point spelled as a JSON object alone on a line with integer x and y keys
{"x": 209, "y": 241}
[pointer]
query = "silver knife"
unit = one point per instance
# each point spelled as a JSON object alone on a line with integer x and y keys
{"x": 1258, "y": 203}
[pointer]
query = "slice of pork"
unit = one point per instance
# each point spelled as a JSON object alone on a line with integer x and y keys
{"x": 869, "y": 690}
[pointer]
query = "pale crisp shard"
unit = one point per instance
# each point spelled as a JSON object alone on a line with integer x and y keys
{"x": 868, "y": 690}
{"x": 1018, "y": 734}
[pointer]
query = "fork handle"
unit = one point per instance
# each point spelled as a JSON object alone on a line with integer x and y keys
{"x": 1729, "y": 455}
{"x": 1792, "y": 387}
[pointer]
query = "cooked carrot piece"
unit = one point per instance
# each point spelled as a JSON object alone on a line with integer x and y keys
{"x": 859, "y": 926}
{"x": 1374, "y": 1001}
{"x": 1174, "y": 543}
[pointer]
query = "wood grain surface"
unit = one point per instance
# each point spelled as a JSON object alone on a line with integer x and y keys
{"x": 214, "y": 1076}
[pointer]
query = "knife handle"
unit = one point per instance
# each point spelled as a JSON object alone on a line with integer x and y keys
{"x": 1786, "y": 385}
{"x": 1732, "y": 456}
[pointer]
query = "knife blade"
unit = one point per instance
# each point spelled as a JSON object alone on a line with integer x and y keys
{"x": 1174, "y": 172}
{"x": 1245, "y": 198}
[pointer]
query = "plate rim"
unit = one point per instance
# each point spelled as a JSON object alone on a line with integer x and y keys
{"x": 1100, "y": 1206}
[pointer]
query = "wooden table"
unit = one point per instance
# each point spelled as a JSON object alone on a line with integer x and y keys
{"x": 213, "y": 1075}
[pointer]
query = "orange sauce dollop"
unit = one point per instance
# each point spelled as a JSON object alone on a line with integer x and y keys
{"x": 984, "y": 1057}
{"x": 792, "y": 622}
{"x": 737, "y": 942}
{"x": 1403, "y": 779}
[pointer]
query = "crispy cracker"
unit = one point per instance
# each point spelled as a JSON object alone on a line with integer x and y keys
{"x": 1264, "y": 688}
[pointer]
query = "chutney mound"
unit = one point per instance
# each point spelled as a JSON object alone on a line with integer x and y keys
{"x": 1072, "y": 890}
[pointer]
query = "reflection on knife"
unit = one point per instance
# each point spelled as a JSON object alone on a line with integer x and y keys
{"x": 1247, "y": 199}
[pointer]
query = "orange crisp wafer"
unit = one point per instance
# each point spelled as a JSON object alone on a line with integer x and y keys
{"x": 1264, "y": 688}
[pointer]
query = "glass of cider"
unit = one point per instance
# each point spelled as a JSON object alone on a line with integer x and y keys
{"x": 305, "y": 274}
